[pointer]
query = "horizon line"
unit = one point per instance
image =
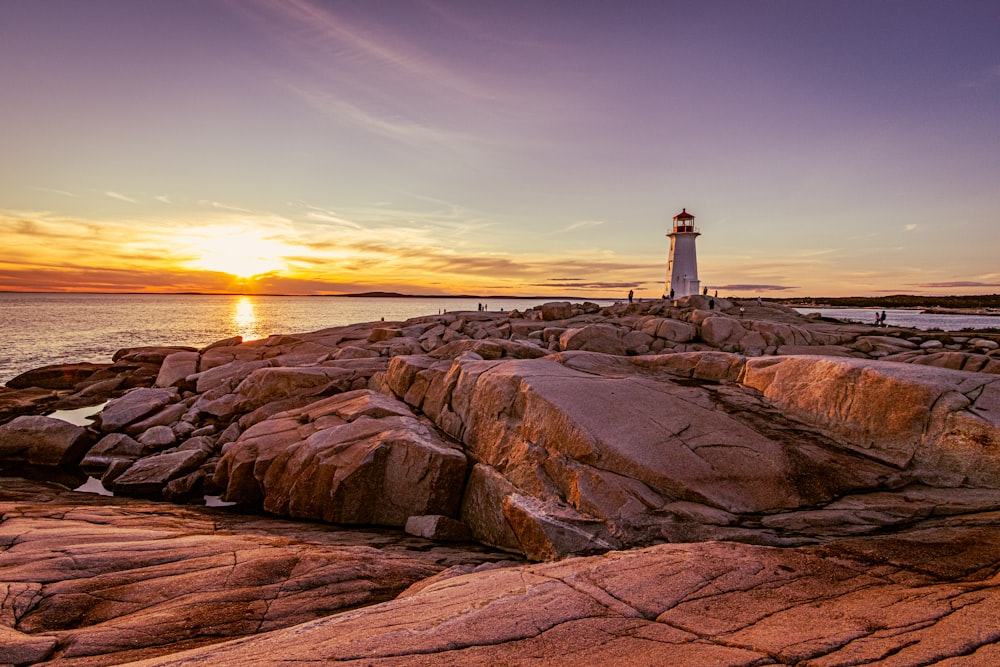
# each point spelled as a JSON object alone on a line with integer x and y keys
{"x": 382, "y": 294}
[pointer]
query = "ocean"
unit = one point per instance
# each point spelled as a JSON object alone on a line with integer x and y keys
{"x": 912, "y": 319}
{"x": 40, "y": 329}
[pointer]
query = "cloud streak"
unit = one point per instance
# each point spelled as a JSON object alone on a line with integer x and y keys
{"x": 339, "y": 37}
{"x": 120, "y": 197}
{"x": 587, "y": 285}
{"x": 958, "y": 283}
{"x": 398, "y": 129}
{"x": 754, "y": 288}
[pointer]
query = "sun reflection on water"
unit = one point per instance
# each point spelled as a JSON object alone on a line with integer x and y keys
{"x": 244, "y": 318}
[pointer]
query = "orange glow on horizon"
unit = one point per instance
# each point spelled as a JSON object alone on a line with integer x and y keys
{"x": 240, "y": 253}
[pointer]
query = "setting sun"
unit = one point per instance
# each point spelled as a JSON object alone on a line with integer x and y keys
{"x": 240, "y": 253}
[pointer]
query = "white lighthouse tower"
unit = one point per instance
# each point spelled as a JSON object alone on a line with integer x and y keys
{"x": 682, "y": 267}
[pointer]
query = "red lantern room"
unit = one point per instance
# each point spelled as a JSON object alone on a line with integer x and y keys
{"x": 684, "y": 221}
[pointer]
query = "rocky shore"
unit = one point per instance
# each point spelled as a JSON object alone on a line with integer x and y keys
{"x": 699, "y": 482}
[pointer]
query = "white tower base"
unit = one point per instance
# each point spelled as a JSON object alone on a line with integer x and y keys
{"x": 682, "y": 267}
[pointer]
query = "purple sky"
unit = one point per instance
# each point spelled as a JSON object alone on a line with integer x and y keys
{"x": 826, "y": 148}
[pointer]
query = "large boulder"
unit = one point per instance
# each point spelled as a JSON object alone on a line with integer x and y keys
{"x": 675, "y": 331}
{"x": 943, "y": 425}
{"x": 148, "y": 476}
{"x": 557, "y": 310}
{"x": 594, "y": 338}
{"x": 265, "y": 385}
{"x": 664, "y": 435}
{"x": 176, "y": 367}
{"x": 133, "y": 406}
{"x": 114, "y": 447}
{"x": 42, "y": 441}
{"x": 58, "y": 376}
{"x": 965, "y": 361}
{"x": 150, "y": 354}
{"x": 709, "y": 366}
{"x": 583, "y": 451}
{"x": 437, "y": 527}
{"x": 722, "y": 332}
{"x": 357, "y": 457}
{"x": 224, "y": 378}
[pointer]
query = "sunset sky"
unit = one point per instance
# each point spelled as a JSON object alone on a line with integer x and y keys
{"x": 827, "y": 148}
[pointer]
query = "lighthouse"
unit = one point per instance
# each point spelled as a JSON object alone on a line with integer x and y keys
{"x": 682, "y": 267}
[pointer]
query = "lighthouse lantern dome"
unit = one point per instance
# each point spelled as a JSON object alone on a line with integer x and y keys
{"x": 684, "y": 221}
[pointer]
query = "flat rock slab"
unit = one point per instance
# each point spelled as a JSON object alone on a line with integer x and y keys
{"x": 916, "y": 600}
{"x": 98, "y": 581}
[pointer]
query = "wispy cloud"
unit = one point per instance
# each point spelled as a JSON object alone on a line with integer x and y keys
{"x": 576, "y": 226}
{"x": 120, "y": 197}
{"x": 54, "y": 191}
{"x": 754, "y": 288}
{"x": 817, "y": 252}
{"x": 322, "y": 28}
{"x": 330, "y": 217}
{"x": 477, "y": 27}
{"x": 396, "y": 128}
{"x": 388, "y": 80}
{"x": 588, "y": 285}
{"x": 959, "y": 283}
{"x": 909, "y": 228}
{"x": 163, "y": 199}
{"x": 224, "y": 207}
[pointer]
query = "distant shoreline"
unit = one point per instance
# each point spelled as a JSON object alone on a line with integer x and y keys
{"x": 984, "y": 304}
{"x": 963, "y": 304}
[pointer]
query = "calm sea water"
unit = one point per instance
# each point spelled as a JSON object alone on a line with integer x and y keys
{"x": 913, "y": 319}
{"x": 41, "y": 329}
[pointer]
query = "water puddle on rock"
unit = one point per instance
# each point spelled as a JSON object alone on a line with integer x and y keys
{"x": 93, "y": 485}
{"x": 79, "y": 416}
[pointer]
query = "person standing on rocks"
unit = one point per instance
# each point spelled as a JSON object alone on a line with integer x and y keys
{"x": 630, "y": 293}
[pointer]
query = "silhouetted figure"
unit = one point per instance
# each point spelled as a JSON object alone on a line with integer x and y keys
{"x": 630, "y": 292}
{"x": 711, "y": 304}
